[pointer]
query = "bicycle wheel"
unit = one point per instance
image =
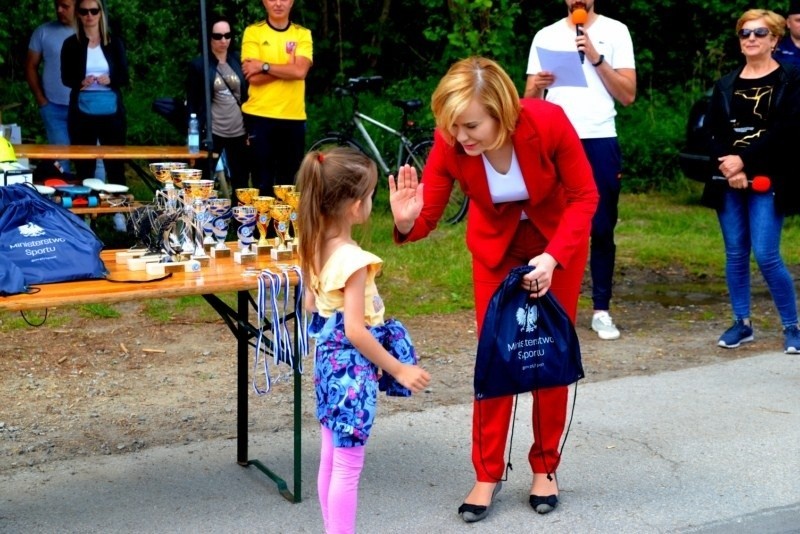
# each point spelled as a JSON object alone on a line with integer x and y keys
{"x": 457, "y": 206}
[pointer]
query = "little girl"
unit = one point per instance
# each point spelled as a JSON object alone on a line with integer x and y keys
{"x": 353, "y": 342}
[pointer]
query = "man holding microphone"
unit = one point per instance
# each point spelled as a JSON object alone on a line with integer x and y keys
{"x": 605, "y": 51}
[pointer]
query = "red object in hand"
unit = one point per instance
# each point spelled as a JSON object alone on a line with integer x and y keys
{"x": 761, "y": 184}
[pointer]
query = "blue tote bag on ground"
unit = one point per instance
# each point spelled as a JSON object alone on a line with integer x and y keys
{"x": 44, "y": 241}
{"x": 525, "y": 344}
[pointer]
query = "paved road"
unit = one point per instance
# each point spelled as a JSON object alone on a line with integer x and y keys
{"x": 707, "y": 450}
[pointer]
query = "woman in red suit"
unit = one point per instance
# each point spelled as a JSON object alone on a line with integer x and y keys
{"x": 532, "y": 197}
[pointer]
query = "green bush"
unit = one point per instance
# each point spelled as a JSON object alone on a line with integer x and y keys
{"x": 651, "y": 133}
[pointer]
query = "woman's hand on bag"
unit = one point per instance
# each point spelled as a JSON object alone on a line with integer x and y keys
{"x": 539, "y": 280}
{"x": 405, "y": 197}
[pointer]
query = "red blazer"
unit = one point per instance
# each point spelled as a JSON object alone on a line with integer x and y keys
{"x": 563, "y": 195}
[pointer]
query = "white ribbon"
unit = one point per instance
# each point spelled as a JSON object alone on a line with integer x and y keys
{"x": 270, "y": 285}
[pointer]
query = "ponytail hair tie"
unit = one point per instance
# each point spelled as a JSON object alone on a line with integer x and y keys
{"x": 320, "y": 157}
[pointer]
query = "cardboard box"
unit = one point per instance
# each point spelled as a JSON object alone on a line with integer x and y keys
{"x": 14, "y": 173}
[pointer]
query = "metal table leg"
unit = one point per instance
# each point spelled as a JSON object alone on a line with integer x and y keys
{"x": 239, "y": 323}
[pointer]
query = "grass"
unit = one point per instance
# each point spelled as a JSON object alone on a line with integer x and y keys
{"x": 656, "y": 231}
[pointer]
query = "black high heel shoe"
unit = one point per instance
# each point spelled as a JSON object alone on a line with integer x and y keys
{"x": 543, "y": 505}
{"x": 471, "y": 513}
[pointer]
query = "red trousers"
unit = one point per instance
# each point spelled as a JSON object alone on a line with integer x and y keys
{"x": 551, "y": 407}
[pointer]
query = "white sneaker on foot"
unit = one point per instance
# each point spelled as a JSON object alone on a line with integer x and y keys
{"x": 604, "y": 326}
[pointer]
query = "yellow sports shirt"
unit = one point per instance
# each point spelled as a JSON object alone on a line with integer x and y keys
{"x": 279, "y": 99}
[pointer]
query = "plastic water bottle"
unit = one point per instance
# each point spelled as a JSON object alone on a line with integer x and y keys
{"x": 194, "y": 134}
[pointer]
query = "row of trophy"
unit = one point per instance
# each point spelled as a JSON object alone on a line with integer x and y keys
{"x": 193, "y": 221}
{"x": 257, "y": 211}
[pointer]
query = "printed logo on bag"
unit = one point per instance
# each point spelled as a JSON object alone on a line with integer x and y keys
{"x": 529, "y": 347}
{"x": 31, "y": 230}
{"x": 526, "y": 318}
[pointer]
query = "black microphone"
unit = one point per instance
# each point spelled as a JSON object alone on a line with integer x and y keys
{"x": 579, "y": 17}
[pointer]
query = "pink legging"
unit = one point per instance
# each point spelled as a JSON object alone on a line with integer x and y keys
{"x": 337, "y": 484}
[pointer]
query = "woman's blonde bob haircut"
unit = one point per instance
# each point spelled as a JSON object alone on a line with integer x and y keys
{"x": 481, "y": 78}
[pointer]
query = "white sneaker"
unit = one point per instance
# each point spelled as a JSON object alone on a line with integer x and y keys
{"x": 604, "y": 326}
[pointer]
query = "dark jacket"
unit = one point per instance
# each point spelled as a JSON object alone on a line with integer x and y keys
{"x": 195, "y": 95}
{"x": 73, "y": 67}
{"x": 771, "y": 154}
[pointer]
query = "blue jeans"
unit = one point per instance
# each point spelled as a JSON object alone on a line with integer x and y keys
{"x": 54, "y": 117}
{"x": 749, "y": 221}
{"x": 605, "y": 157}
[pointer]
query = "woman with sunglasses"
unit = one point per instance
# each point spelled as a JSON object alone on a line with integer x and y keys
{"x": 95, "y": 67}
{"x": 752, "y": 119}
{"x": 228, "y": 88}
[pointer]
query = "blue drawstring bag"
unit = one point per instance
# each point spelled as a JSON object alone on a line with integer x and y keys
{"x": 44, "y": 241}
{"x": 11, "y": 279}
{"x": 525, "y": 343}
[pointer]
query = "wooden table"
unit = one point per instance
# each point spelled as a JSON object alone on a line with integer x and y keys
{"x": 166, "y": 153}
{"x": 221, "y": 276}
{"x": 130, "y": 153}
{"x": 105, "y": 210}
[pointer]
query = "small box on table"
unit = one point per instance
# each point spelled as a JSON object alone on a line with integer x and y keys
{"x": 11, "y": 172}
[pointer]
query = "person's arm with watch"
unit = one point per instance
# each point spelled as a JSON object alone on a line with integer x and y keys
{"x": 261, "y": 72}
{"x": 620, "y": 83}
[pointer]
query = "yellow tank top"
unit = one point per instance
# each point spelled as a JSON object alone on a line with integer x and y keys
{"x": 328, "y": 287}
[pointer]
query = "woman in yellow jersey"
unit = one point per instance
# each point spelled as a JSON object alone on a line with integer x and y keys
{"x": 276, "y": 57}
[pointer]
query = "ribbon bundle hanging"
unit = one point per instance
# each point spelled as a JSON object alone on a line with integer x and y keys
{"x": 273, "y": 311}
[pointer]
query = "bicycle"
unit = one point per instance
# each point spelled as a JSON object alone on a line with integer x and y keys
{"x": 413, "y": 145}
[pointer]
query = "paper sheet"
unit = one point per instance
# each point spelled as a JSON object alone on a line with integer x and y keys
{"x": 565, "y": 65}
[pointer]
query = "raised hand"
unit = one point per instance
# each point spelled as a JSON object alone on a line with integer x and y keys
{"x": 405, "y": 198}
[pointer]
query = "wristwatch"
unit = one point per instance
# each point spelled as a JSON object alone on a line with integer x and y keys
{"x": 265, "y": 68}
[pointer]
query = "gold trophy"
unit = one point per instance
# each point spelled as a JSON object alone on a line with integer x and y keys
{"x": 167, "y": 197}
{"x": 179, "y": 175}
{"x": 196, "y": 194}
{"x": 281, "y": 215}
{"x": 281, "y": 191}
{"x": 293, "y": 199}
{"x": 162, "y": 173}
{"x": 263, "y": 206}
{"x": 246, "y": 195}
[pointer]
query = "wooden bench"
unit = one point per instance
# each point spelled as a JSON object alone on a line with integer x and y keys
{"x": 128, "y": 153}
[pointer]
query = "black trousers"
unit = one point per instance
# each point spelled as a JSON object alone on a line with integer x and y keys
{"x": 105, "y": 129}
{"x": 277, "y": 147}
{"x": 236, "y": 157}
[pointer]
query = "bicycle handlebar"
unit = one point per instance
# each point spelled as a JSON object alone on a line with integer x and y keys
{"x": 357, "y": 85}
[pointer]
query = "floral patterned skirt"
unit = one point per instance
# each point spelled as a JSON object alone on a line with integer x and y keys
{"x": 347, "y": 383}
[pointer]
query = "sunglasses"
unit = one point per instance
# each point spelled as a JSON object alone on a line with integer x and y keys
{"x": 745, "y": 33}
{"x": 221, "y": 36}
{"x": 83, "y": 11}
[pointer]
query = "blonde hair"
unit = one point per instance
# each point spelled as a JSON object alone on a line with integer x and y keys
{"x": 77, "y": 23}
{"x": 776, "y": 24}
{"x": 481, "y": 78}
{"x": 329, "y": 181}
